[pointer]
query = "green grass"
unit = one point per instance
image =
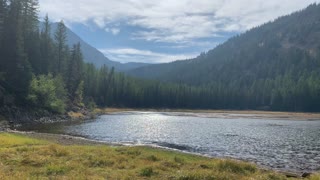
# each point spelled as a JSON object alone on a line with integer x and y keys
{"x": 26, "y": 158}
{"x": 10, "y": 140}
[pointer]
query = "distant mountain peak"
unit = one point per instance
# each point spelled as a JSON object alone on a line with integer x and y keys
{"x": 93, "y": 55}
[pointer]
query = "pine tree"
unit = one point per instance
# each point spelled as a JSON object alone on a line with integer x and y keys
{"x": 3, "y": 14}
{"x": 18, "y": 69}
{"x": 30, "y": 26}
{"x": 103, "y": 86}
{"x": 74, "y": 77}
{"x": 60, "y": 42}
{"x": 30, "y": 16}
{"x": 46, "y": 47}
{"x": 90, "y": 80}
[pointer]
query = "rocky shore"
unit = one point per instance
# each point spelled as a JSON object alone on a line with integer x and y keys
{"x": 14, "y": 117}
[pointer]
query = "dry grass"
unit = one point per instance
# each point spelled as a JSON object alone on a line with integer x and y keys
{"x": 76, "y": 115}
{"x": 112, "y": 110}
{"x": 315, "y": 177}
{"x": 26, "y": 158}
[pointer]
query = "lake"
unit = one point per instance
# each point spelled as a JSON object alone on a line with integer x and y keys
{"x": 287, "y": 145}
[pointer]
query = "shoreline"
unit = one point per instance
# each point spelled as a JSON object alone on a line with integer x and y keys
{"x": 8, "y": 123}
{"x": 62, "y": 139}
{"x": 25, "y": 157}
{"x": 71, "y": 140}
{"x": 301, "y": 116}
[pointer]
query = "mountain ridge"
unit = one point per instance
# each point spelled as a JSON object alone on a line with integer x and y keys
{"x": 93, "y": 55}
{"x": 279, "y": 37}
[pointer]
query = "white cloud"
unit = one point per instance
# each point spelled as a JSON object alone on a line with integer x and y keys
{"x": 180, "y": 21}
{"x": 136, "y": 55}
{"x": 114, "y": 31}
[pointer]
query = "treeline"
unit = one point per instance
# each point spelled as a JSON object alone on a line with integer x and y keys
{"x": 41, "y": 72}
{"x": 251, "y": 71}
{"x": 275, "y": 66}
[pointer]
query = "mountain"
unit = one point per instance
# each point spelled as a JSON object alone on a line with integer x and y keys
{"x": 275, "y": 66}
{"x": 288, "y": 46}
{"x": 92, "y": 55}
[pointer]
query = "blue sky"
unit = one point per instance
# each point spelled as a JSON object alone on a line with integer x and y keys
{"x": 155, "y": 31}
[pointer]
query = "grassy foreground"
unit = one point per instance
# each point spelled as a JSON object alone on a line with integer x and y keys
{"x": 22, "y": 157}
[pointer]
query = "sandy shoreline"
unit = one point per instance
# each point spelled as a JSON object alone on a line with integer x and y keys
{"x": 303, "y": 116}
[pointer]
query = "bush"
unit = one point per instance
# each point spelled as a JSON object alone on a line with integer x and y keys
{"x": 147, "y": 172}
{"x": 48, "y": 92}
{"x": 90, "y": 104}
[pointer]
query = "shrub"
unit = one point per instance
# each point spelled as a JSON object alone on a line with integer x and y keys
{"x": 48, "y": 92}
{"x": 147, "y": 172}
{"x": 90, "y": 104}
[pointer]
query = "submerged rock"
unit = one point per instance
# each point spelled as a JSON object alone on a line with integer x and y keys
{"x": 306, "y": 175}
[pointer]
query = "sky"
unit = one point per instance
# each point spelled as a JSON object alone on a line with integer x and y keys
{"x": 154, "y": 31}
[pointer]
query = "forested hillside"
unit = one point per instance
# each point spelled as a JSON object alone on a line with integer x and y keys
{"x": 276, "y": 65}
{"x": 40, "y": 73}
{"x": 273, "y": 67}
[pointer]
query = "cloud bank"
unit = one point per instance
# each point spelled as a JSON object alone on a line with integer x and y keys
{"x": 180, "y": 22}
{"x": 135, "y": 55}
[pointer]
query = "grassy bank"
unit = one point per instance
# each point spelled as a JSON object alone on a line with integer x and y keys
{"x": 22, "y": 157}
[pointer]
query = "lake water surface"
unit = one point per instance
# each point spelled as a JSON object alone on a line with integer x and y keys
{"x": 278, "y": 144}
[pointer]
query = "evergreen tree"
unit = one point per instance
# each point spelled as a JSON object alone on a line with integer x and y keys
{"x": 30, "y": 26}
{"x": 248, "y": 72}
{"x": 74, "y": 72}
{"x": 103, "y": 85}
{"x": 46, "y": 47}
{"x": 90, "y": 81}
{"x": 30, "y": 16}
{"x": 3, "y": 14}
{"x": 18, "y": 69}
{"x": 61, "y": 48}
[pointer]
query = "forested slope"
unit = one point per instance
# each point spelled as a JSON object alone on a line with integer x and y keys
{"x": 41, "y": 74}
{"x": 276, "y": 64}
{"x": 272, "y": 67}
